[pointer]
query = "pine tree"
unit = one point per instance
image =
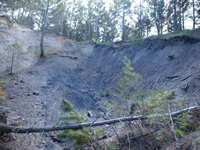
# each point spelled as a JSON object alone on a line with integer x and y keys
{"x": 184, "y": 8}
{"x": 114, "y": 16}
{"x": 99, "y": 9}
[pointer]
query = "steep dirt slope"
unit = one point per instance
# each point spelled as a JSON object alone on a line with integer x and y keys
{"x": 152, "y": 59}
{"x": 28, "y": 40}
{"x": 84, "y": 71}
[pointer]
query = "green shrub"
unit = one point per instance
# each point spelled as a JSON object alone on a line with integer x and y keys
{"x": 156, "y": 103}
{"x": 105, "y": 93}
{"x": 66, "y": 105}
{"x": 197, "y": 140}
{"x": 38, "y": 53}
{"x": 79, "y": 137}
{"x": 15, "y": 53}
{"x": 113, "y": 146}
{"x": 2, "y": 82}
{"x": 100, "y": 132}
{"x": 105, "y": 101}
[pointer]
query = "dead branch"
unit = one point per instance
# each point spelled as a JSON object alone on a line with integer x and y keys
{"x": 173, "y": 130}
{"x": 9, "y": 129}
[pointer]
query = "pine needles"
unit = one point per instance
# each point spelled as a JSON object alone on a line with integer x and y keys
{"x": 79, "y": 137}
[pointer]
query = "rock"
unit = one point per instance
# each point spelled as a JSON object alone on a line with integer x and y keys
{"x": 184, "y": 86}
{"x": 90, "y": 114}
{"x": 35, "y": 93}
{"x": 12, "y": 97}
{"x": 2, "y": 147}
{"x": 171, "y": 56}
{"x": 28, "y": 94}
{"x": 16, "y": 123}
{"x": 96, "y": 98}
{"x": 22, "y": 81}
{"x": 3, "y": 117}
{"x": 56, "y": 140}
{"x": 43, "y": 115}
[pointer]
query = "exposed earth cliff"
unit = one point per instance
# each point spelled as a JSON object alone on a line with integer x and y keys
{"x": 35, "y": 92}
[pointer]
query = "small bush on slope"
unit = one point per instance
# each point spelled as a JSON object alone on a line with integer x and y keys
{"x": 79, "y": 137}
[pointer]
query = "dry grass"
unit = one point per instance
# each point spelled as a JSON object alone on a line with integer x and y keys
{"x": 190, "y": 141}
{"x": 2, "y": 95}
{"x": 61, "y": 39}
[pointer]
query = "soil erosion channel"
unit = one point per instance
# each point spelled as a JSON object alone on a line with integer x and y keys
{"x": 83, "y": 72}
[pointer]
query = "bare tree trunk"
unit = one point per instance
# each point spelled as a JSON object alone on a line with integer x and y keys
{"x": 111, "y": 33}
{"x": 123, "y": 22}
{"x": 12, "y": 15}
{"x": 86, "y": 32}
{"x": 194, "y": 18}
{"x": 183, "y": 21}
{"x": 75, "y": 26}
{"x": 89, "y": 21}
{"x": 43, "y": 30}
{"x": 14, "y": 129}
{"x": 156, "y": 18}
{"x": 140, "y": 15}
{"x": 61, "y": 24}
{"x": 1, "y": 8}
{"x": 161, "y": 19}
{"x": 25, "y": 20}
{"x": 18, "y": 16}
{"x": 173, "y": 130}
{"x": 22, "y": 16}
{"x": 104, "y": 32}
{"x": 12, "y": 62}
{"x": 179, "y": 5}
{"x": 175, "y": 16}
{"x": 70, "y": 22}
{"x": 97, "y": 25}
{"x": 89, "y": 24}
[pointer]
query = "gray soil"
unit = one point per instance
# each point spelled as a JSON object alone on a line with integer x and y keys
{"x": 84, "y": 72}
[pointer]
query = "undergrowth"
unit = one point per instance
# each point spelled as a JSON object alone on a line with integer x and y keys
{"x": 2, "y": 94}
{"x": 2, "y": 82}
{"x": 38, "y": 53}
{"x": 130, "y": 99}
{"x": 80, "y": 137}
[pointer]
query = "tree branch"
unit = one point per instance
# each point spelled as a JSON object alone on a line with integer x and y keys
{"x": 9, "y": 129}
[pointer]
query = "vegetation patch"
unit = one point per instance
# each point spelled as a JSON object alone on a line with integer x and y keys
{"x": 15, "y": 56}
{"x": 2, "y": 82}
{"x": 38, "y": 53}
{"x": 2, "y": 95}
{"x": 80, "y": 137}
{"x": 100, "y": 132}
{"x": 105, "y": 93}
{"x": 132, "y": 100}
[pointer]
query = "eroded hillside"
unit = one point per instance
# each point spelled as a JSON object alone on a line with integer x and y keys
{"x": 83, "y": 72}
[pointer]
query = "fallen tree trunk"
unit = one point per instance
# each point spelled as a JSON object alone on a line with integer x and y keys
{"x": 9, "y": 129}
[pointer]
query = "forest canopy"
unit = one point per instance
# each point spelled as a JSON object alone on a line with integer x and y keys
{"x": 103, "y": 21}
